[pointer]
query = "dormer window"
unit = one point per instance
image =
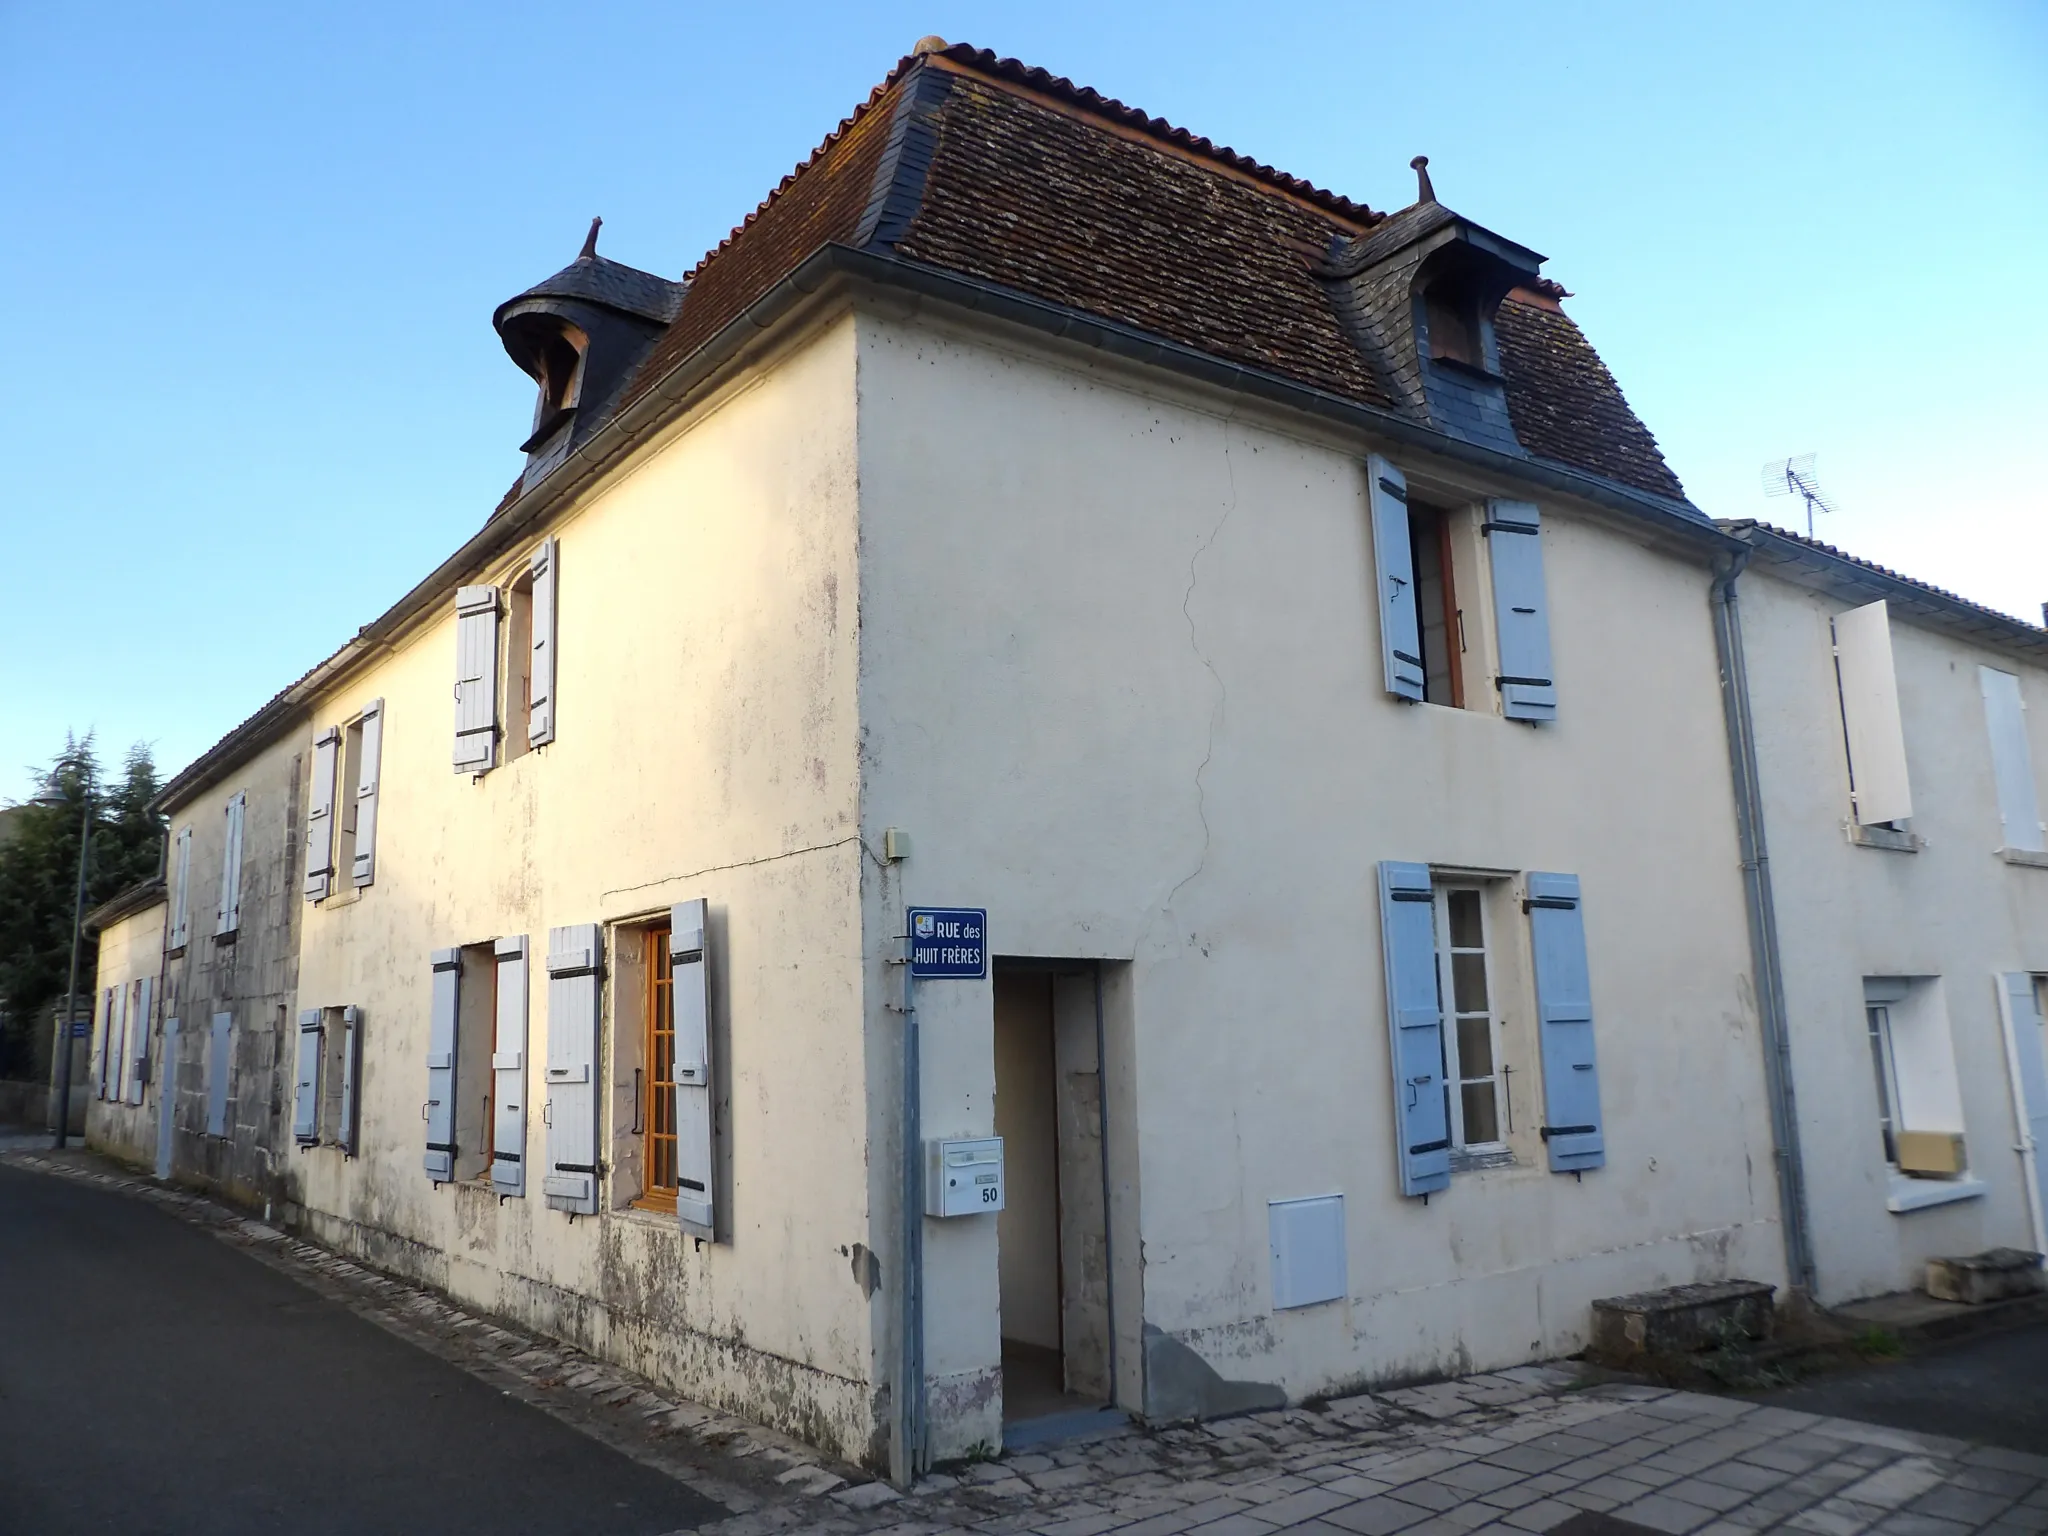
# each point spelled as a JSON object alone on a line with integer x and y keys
{"x": 560, "y": 370}
{"x": 1451, "y": 314}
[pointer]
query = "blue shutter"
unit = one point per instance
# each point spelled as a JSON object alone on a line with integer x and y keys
{"x": 540, "y": 719}
{"x": 138, "y": 1037}
{"x": 1415, "y": 1023}
{"x": 476, "y": 679}
{"x": 306, "y": 1090}
{"x": 1564, "y": 1020}
{"x": 320, "y": 816}
{"x": 690, "y": 1000}
{"x": 218, "y": 1053}
{"x": 351, "y": 1078}
{"x": 441, "y": 1026}
{"x": 1394, "y": 566}
{"x": 370, "y": 766}
{"x": 1521, "y": 615}
{"x": 508, "y": 1071}
{"x": 574, "y": 960}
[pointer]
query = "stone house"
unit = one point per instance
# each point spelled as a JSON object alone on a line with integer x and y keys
{"x": 1899, "y": 739}
{"x": 1266, "y": 610}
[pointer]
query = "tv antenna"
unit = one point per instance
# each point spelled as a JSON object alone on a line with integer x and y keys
{"x": 1795, "y": 477}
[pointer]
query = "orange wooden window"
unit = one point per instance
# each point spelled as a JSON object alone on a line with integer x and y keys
{"x": 660, "y": 1049}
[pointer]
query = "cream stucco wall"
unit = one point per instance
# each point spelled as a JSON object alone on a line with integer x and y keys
{"x": 1120, "y": 679}
{"x": 706, "y": 746}
{"x": 1952, "y": 910}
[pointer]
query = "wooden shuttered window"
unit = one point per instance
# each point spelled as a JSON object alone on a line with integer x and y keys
{"x": 1572, "y": 1129}
{"x": 442, "y": 1020}
{"x": 2012, "y": 761}
{"x": 574, "y": 969}
{"x": 508, "y": 1070}
{"x": 229, "y": 916}
{"x": 1415, "y": 1027}
{"x": 690, "y": 1061}
{"x": 1879, "y": 786}
{"x": 1521, "y": 610}
{"x": 177, "y": 931}
{"x": 370, "y": 755}
{"x": 306, "y": 1083}
{"x": 540, "y": 717}
{"x": 320, "y": 816}
{"x": 476, "y": 679}
{"x": 1394, "y": 580}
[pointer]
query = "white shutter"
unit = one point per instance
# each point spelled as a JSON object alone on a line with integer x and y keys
{"x": 103, "y": 1046}
{"x": 1870, "y": 715}
{"x": 1521, "y": 610}
{"x": 372, "y": 754}
{"x": 1393, "y": 558}
{"x": 306, "y": 1090}
{"x": 690, "y": 1000}
{"x": 2012, "y": 764}
{"x": 351, "y": 1078}
{"x": 476, "y": 679}
{"x": 138, "y": 1037}
{"x": 181, "y": 885}
{"x": 320, "y": 816}
{"x": 508, "y": 1068}
{"x": 117, "y": 1044}
{"x": 2026, "y": 1060}
{"x": 571, "y": 1116}
{"x": 230, "y": 915}
{"x": 441, "y": 1036}
{"x": 540, "y": 719}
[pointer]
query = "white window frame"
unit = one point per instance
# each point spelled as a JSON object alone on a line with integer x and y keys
{"x": 1884, "y": 1065}
{"x": 1447, "y": 1001}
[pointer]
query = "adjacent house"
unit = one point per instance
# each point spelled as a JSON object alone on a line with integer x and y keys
{"x": 1901, "y": 744}
{"x": 1259, "y": 619}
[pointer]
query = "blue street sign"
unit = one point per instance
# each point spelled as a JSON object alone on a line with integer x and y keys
{"x": 81, "y": 1029}
{"x": 948, "y": 942}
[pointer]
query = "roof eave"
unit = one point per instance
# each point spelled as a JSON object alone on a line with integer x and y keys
{"x": 652, "y": 409}
{"x": 139, "y": 897}
{"x": 1823, "y": 570}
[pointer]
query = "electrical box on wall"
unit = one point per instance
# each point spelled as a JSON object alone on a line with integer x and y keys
{"x": 963, "y": 1178}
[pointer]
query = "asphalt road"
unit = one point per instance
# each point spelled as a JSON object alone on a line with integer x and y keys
{"x": 156, "y": 1380}
{"x": 1993, "y": 1390}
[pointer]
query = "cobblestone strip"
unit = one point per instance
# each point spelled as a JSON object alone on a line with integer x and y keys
{"x": 1515, "y": 1453}
{"x": 741, "y": 1465}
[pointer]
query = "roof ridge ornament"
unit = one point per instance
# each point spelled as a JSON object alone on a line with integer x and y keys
{"x": 589, "y": 251}
{"x": 1424, "y": 192}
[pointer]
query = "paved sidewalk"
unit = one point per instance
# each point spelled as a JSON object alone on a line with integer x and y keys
{"x": 1509, "y": 1454}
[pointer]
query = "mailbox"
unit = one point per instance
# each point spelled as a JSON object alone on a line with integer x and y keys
{"x": 963, "y": 1178}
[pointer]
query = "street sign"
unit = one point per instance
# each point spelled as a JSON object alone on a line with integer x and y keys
{"x": 81, "y": 1029}
{"x": 948, "y": 943}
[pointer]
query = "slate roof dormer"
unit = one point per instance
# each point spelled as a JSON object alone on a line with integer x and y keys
{"x": 580, "y": 335}
{"x": 1419, "y": 293}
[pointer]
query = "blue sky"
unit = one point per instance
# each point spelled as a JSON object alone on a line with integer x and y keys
{"x": 251, "y": 253}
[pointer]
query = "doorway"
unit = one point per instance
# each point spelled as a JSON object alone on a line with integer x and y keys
{"x": 1052, "y": 1252}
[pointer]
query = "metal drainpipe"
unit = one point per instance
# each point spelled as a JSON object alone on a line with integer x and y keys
{"x": 906, "y": 1449}
{"x": 1763, "y": 921}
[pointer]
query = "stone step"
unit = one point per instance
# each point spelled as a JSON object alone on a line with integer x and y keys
{"x": 1680, "y": 1320}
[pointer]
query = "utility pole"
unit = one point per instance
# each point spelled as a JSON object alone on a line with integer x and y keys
{"x": 71, "y": 989}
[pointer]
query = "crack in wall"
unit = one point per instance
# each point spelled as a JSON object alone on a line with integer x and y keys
{"x": 1216, "y": 710}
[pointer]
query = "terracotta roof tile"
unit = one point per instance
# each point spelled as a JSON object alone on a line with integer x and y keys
{"x": 1068, "y": 196}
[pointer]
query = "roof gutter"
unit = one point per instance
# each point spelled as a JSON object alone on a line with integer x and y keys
{"x": 619, "y": 436}
{"x": 1766, "y": 962}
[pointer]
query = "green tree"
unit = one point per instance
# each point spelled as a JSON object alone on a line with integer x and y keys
{"x": 39, "y": 873}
